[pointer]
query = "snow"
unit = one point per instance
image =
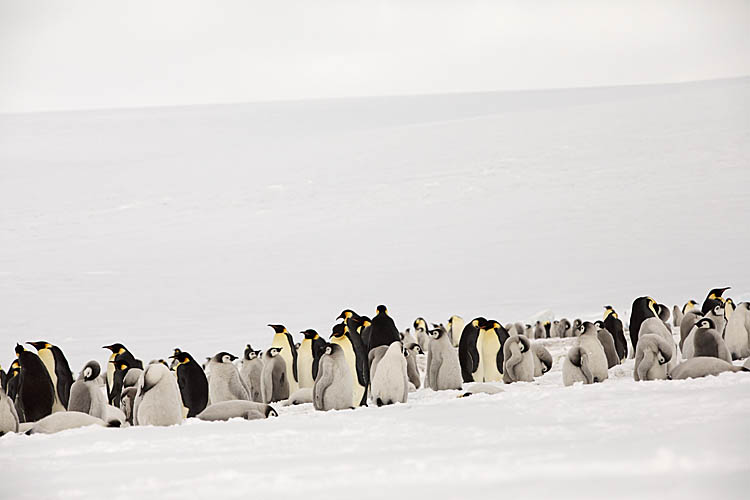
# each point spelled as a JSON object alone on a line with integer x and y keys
{"x": 195, "y": 227}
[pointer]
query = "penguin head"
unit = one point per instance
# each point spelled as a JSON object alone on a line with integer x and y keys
{"x": 338, "y": 330}
{"x": 577, "y": 322}
{"x": 91, "y": 371}
{"x": 40, "y": 344}
{"x": 565, "y": 323}
{"x": 716, "y": 293}
{"x": 270, "y": 412}
{"x": 115, "y": 348}
{"x": 366, "y": 321}
{"x": 224, "y": 357}
{"x": 718, "y": 310}
{"x": 415, "y": 349}
{"x": 176, "y": 353}
{"x": 19, "y": 349}
{"x": 381, "y": 309}
{"x": 15, "y": 369}
{"x": 479, "y": 322}
{"x": 310, "y": 334}
{"x": 705, "y": 323}
{"x": 278, "y": 328}
{"x": 347, "y": 313}
{"x": 249, "y": 352}
{"x": 182, "y": 357}
{"x": 274, "y": 351}
{"x": 420, "y": 324}
{"x": 582, "y": 328}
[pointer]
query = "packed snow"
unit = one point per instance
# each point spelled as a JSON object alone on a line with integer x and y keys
{"x": 195, "y": 227}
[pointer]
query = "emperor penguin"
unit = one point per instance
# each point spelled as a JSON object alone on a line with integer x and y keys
{"x": 274, "y": 384}
{"x": 729, "y": 308}
{"x": 357, "y": 330}
{"x": 662, "y": 312}
{"x": 224, "y": 382}
{"x": 193, "y": 384}
{"x": 539, "y": 332}
{"x": 175, "y": 357}
{"x": 690, "y": 318}
{"x": 656, "y": 326}
{"x": 408, "y": 338}
{"x": 519, "y": 360}
{"x": 118, "y": 349}
{"x": 59, "y": 371}
{"x": 705, "y": 340}
{"x": 11, "y": 385}
{"x": 36, "y": 393}
{"x": 547, "y": 327}
{"x": 8, "y": 414}
{"x": 651, "y": 357}
{"x": 420, "y": 331}
{"x": 713, "y": 299}
{"x": 85, "y": 394}
{"x": 456, "y": 326}
{"x": 555, "y": 329}
{"x": 308, "y": 358}
{"x": 528, "y": 331}
{"x": 383, "y": 330}
{"x": 158, "y": 400}
{"x": 643, "y": 308}
{"x": 737, "y": 332}
{"x": 332, "y": 389}
{"x": 3, "y": 379}
{"x": 390, "y": 383}
{"x": 717, "y": 315}
{"x": 542, "y": 359}
{"x": 356, "y": 360}
{"x": 129, "y": 392}
{"x": 122, "y": 366}
{"x": 374, "y": 358}
{"x": 283, "y": 340}
{"x": 249, "y": 410}
{"x": 251, "y": 372}
{"x": 597, "y": 359}
{"x": 412, "y": 370}
{"x": 468, "y": 349}
{"x": 64, "y": 420}
{"x": 566, "y": 329}
{"x": 608, "y": 343}
{"x": 703, "y": 367}
{"x": 576, "y": 367}
{"x": 491, "y": 355}
{"x": 443, "y": 368}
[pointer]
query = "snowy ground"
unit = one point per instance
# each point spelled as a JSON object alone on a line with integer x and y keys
{"x": 195, "y": 227}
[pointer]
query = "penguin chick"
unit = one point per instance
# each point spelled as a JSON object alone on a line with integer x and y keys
{"x": 542, "y": 359}
{"x": 274, "y": 385}
{"x": 158, "y": 400}
{"x": 333, "y": 386}
{"x": 576, "y": 367}
{"x": 412, "y": 370}
{"x": 85, "y": 394}
{"x": 420, "y": 331}
{"x": 703, "y": 367}
{"x": 300, "y": 396}
{"x": 390, "y": 383}
{"x": 656, "y": 326}
{"x": 443, "y": 368}
{"x": 708, "y": 342}
{"x": 608, "y": 343}
{"x": 481, "y": 388}
{"x": 737, "y": 332}
{"x": 677, "y": 315}
{"x": 539, "y": 331}
{"x": 251, "y": 371}
{"x": 374, "y": 357}
{"x": 249, "y": 410}
{"x": 519, "y": 360}
{"x": 224, "y": 382}
{"x": 62, "y": 421}
{"x": 8, "y": 414}
{"x": 689, "y": 320}
{"x": 652, "y": 357}
{"x": 597, "y": 359}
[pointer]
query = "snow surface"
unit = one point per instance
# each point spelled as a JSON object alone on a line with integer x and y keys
{"x": 195, "y": 227}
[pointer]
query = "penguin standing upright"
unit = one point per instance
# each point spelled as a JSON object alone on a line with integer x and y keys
{"x": 420, "y": 331}
{"x": 737, "y": 332}
{"x": 383, "y": 329}
{"x": 59, "y": 371}
{"x": 643, "y": 308}
{"x": 456, "y": 326}
{"x": 468, "y": 352}
{"x": 356, "y": 360}
{"x": 358, "y": 329}
{"x": 158, "y": 401}
{"x": 251, "y": 372}
{"x": 713, "y": 299}
{"x": 224, "y": 382}
{"x": 193, "y": 384}
{"x": 443, "y": 368}
{"x": 492, "y": 338}
{"x": 11, "y": 385}
{"x": 273, "y": 383}
{"x": 85, "y": 395}
{"x": 333, "y": 384}
{"x": 288, "y": 352}
{"x": 308, "y": 357}
{"x": 608, "y": 342}
{"x": 118, "y": 350}
{"x": 390, "y": 383}
{"x": 3, "y": 379}
{"x": 36, "y": 394}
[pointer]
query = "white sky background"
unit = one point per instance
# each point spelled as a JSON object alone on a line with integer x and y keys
{"x": 79, "y": 54}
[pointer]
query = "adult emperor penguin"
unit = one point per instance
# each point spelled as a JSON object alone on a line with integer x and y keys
{"x": 608, "y": 342}
{"x": 729, "y": 307}
{"x": 456, "y": 326}
{"x": 713, "y": 299}
{"x": 59, "y": 371}
{"x": 308, "y": 357}
{"x": 158, "y": 401}
{"x": 547, "y": 327}
{"x": 85, "y": 395}
{"x": 175, "y": 357}
{"x": 576, "y": 367}
{"x": 589, "y": 340}
{"x": 519, "y": 360}
{"x": 390, "y": 383}
{"x": 542, "y": 359}
{"x": 332, "y": 389}
{"x": 36, "y": 394}
{"x": 356, "y": 360}
{"x": 420, "y": 331}
{"x": 11, "y": 386}
{"x": 224, "y": 382}
{"x": 283, "y": 339}
{"x": 737, "y": 332}
{"x": 193, "y": 384}
{"x": 357, "y": 330}
{"x": 118, "y": 350}
{"x": 703, "y": 367}
{"x": 8, "y": 414}
{"x": 274, "y": 384}
{"x": 468, "y": 349}
{"x": 122, "y": 366}
{"x": 651, "y": 357}
{"x": 383, "y": 329}
{"x": 443, "y": 369}
{"x": 643, "y": 308}
{"x": 251, "y": 372}
{"x": 491, "y": 353}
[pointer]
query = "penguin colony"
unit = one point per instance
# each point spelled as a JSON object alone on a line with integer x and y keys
{"x": 367, "y": 361}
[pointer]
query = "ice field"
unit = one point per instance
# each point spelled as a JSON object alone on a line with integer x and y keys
{"x": 195, "y": 227}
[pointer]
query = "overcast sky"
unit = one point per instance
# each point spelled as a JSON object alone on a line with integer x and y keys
{"x": 77, "y": 54}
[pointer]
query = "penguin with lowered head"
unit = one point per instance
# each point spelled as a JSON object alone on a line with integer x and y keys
{"x": 468, "y": 350}
{"x": 36, "y": 394}
{"x": 383, "y": 330}
{"x": 288, "y": 352}
{"x": 59, "y": 371}
{"x": 390, "y": 383}
{"x": 643, "y": 308}
{"x": 118, "y": 349}
{"x": 158, "y": 401}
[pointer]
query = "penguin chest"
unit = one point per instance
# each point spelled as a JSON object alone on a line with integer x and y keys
{"x": 304, "y": 364}
{"x": 490, "y": 347}
{"x": 351, "y": 363}
{"x": 49, "y": 363}
{"x": 479, "y": 373}
{"x": 280, "y": 340}
{"x": 110, "y": 373}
